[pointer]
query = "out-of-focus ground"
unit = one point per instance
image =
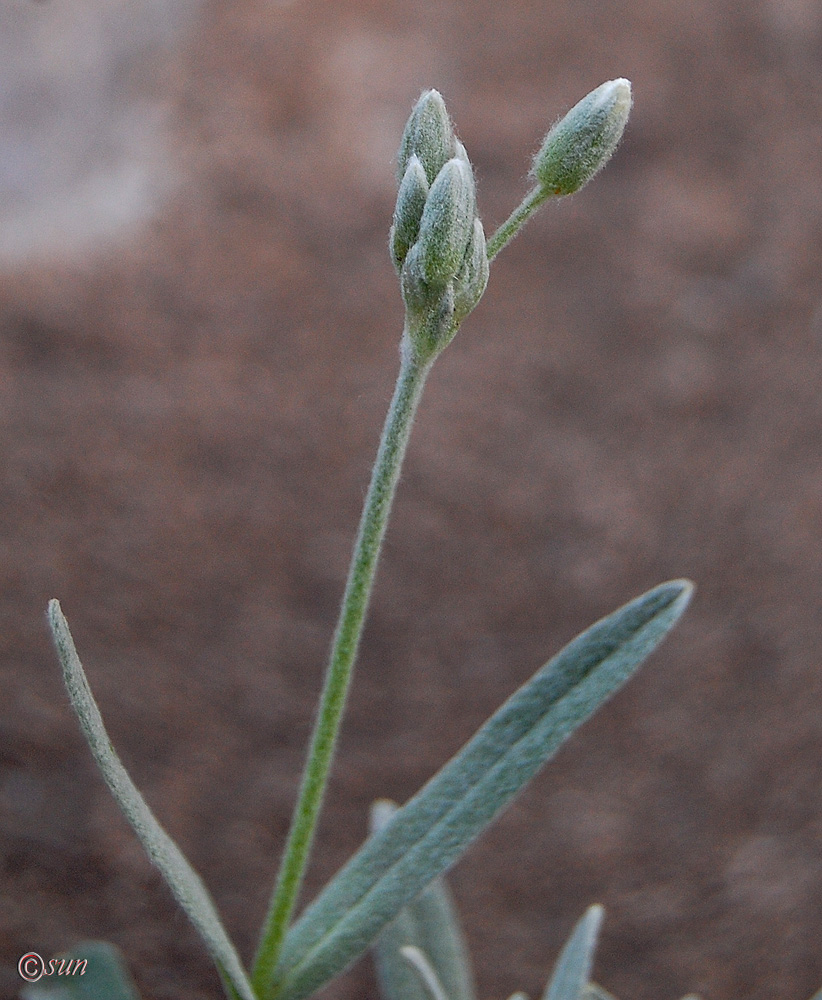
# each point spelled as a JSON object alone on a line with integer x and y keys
{"x": 192, "y": 382}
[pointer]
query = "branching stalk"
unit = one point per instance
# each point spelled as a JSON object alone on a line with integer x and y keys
{"x": 516, "y": 220}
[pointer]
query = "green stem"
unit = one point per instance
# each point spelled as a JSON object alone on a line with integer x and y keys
{"x": 373, "y": 523}
{"x": 516, "y": 220}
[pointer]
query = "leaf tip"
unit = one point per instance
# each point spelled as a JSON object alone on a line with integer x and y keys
{"x": 685, "y": 591}
{"x": 594, "y": 916}
{"x": 382, "y": 810}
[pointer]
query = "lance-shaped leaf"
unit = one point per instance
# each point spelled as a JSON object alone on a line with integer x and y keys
{"x": 429, "y": 924}
{"x": 183, "y": 881}
{"x": 433, "y": 829}
{"x": 573, "y": 968}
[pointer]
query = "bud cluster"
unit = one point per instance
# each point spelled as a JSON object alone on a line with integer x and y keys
{"x": 437, "y": 241}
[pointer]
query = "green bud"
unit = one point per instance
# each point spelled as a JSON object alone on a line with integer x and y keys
{"x": 429, "y": 311}
{"x": 437, "y": 242}
{"x": 429, "y": 135}
{"x": 447, "y": 223}
{"x": 460, "y": 152}
{"x": 473, "y": 276}
{"x": 415, "y": 292}
{"x": 584, "y": 140}
{"x": 408, "y": 213}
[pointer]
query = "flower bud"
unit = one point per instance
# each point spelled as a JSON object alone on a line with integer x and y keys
{"x": 429, "y": 135}
{"x": 447, "y": 222}
{"x": 429, "y": 310}
{"x": 415, "y": 293}
{"x": 583, "y": 141}
{"x": 408, "y": 212}
{"x": 473, "y": 275}
{"x": 437, "y": 242}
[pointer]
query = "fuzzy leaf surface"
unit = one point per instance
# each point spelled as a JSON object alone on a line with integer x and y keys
{"x": 429, "y": 923}
{"x": 182, "y": 879}
{"x": 573, "y": 968}
{"x": 434, "y": 828}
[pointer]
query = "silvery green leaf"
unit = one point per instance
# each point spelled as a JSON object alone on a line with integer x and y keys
{"x": 429, "y": 923}
{"x": 427, "y": 977}
{"x": 411, "y": 199}
{"x": 573, "y": 968}
{"x": 396, "y": 978}
{"x": 447, "y": 223}
{"x": 428, "y": 134}
{"x": 184, "y": 882}
{"x": 593, "y": 991}
{"x": 104, "y": 976}
{"x": 427, "y": 835}
{"x": 817, "y": 996}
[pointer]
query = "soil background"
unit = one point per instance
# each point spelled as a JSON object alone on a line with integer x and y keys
{"x": 190, "y": 407}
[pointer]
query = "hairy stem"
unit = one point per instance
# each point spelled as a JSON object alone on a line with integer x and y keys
{"x": 516, "y": 220}
{"x": 361, "y": 573}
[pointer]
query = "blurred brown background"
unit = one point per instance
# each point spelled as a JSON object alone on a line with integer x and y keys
{"x": 198, "y": 337}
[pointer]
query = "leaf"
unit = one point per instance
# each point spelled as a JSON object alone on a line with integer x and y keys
{"x": 426, "y": 975}
{"x": 593, "y": 991}
{"x": 103, "y": 977}
{"x": 429, "y": 924}
{"x": 183, "y": 880}
{"x": 433, "y": 829}
{"x": 573, "y": 968}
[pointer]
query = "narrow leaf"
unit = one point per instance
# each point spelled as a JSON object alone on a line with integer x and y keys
{"x": 184, "y": 882}
{"x": 573, "y": 968}
{"x": 93, "y": 970}
{"x": 433, "y": 829}
{"x": 422, "y": 967}
{"x": 593, "y": 991}
{"x": 429, "y": 923}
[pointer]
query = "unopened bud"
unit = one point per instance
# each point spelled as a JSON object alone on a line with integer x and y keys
{"x": 429, "y": 135}
{"x": 447, "y": 222}
{"x": 584, "y": 140}
{"x": 408, "y": 212}
{"x": 473, "y": 276}
{"x": 437, "y": 242}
